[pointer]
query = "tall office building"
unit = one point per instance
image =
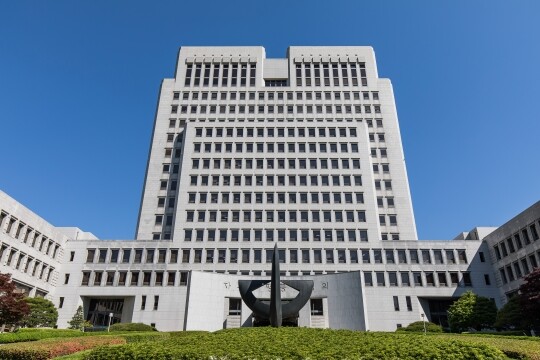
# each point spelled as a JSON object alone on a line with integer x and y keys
{"x": 248, "y": 152}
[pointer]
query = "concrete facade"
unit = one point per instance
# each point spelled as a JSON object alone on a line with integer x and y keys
{"x": 246, "y": 151}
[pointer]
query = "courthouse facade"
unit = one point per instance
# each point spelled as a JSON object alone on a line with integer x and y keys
{"x": 247, "y": 152}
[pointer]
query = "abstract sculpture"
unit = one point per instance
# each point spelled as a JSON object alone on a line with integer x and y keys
{"x": 274, "y": 312}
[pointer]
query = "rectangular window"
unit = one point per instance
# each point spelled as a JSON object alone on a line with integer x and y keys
{"x": 396, "y": 303}
{"x": 380, "y": 279}
{"x": 90, "y": 255}
{"x": 405, "y": 280}
{"x": 143, "y": 302}
{"x": 368, "y": 279}
{"x": 235, "y": 307}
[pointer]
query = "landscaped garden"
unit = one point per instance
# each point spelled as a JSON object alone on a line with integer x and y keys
{"x": 269, "y": 343}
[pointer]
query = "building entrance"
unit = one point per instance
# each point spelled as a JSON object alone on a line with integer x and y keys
{"x": 100, "y": 310}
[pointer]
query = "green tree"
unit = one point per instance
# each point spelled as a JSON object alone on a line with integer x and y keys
{"x": 43, "y": 313}
{"x": 471, "y": 311}
{"x": 77, "y": 322}
{"x": 530, "y": 297}
{"x": 510, "y": 316}
{"x": 13, "y": 308}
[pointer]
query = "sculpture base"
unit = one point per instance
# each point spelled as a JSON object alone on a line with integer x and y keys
{"x": 290, "y": 322}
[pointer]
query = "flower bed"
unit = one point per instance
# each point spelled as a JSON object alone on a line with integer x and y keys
{"x": 51, "y": 348}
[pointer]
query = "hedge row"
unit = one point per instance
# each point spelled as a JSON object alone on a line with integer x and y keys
{"x": 516, "y": 347}
{"x": 37, "y": 334}
{"x": 51, "y": 348}
{"x": 131, "y": 327}
{"x": 297, "y": 343}
{"x": 418, "y": 326}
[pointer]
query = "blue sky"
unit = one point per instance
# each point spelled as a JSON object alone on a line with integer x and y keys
{"x": 79, "y": 83}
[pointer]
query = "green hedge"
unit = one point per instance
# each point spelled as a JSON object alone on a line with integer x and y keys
{"x": 131, "y": 327}
{"x": 297, "y": 343}
{"x": 37, "y": 334}
{"x": 515, "y": 347}
{"x": 418, "y": 326}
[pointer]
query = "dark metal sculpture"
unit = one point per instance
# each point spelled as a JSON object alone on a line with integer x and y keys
{"x": 274, "y": 312}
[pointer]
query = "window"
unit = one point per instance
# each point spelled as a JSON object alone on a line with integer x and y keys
{"x": 462, "y": 256}
{"x": 392, "y": 278}
{"x": 156, "y": 302}
{"x": 409, "y": 303}
{"x": 143, "y": 302}
{"x": 368, "y": 279}
{"x": 380, "y": 279}
{"x": 396, "y": 303}
{"x": 90, "y": 255}
{"x": 316, "y": 306}
{"x": 430, "y": 279}
{"x": 467, "y": 279}
{"x": 405, "y": 280}
{"x": 481, "y": 255}
{"x": 417, "y": 276}
{"x": 235, "y": 307}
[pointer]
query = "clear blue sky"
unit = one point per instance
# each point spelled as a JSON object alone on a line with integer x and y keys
{"x": 79, "y": 83}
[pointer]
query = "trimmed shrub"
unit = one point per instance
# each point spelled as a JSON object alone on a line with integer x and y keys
{"x": 37, "y": 334}
{"x": 298, "y": 343}
{"x": 418, "y": 326}
{"x": 515, "y": 347}
{"x": 145, "y": 336}
{"x": 51, "y": 348}
{"x": 131, "y": 327}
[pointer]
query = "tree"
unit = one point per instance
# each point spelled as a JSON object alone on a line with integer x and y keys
{"x": 77, "y": 322}
{"x": 510, "y": 316}
{"x": 42, "y": 313}
{"x": 13, "y": 308}
{"x": 530, "y": 297}
{"x": 471, "y": 311}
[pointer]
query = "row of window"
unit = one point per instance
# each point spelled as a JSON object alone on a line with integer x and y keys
{"x": 271, "y": 163}
{"x": 133, "y": 278}
{"x": 244, "y": 74}
{"x": 24, "y": 263}
{"x": 27, "y": 235}
{"x": 279, "y": 180}
{"x": 274, "y": 198}
{"x": 519, "y": 268}
{"x": 220, "y": 74}
{"x": 405, "y": 279}
{"x": 269, "y": 216}
{"x": 234, "y": 235}
{"x": 270, "y": 147}
{"x": 183, "y": 121}
{"x": 292, "y": 256}
{"x": 272, "y": 95}
{"x": 275, "y": 109}
{"x": 335, "y": 74}
{"x": 517, "y": 241}
{"x": 280, "y": 132}
{"x": 377, "y": 278}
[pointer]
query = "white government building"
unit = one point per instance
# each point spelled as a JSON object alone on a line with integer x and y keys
{"x": 247, "y": 152}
